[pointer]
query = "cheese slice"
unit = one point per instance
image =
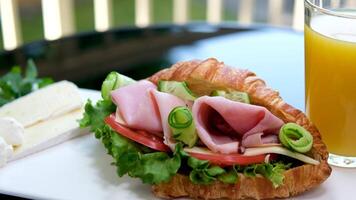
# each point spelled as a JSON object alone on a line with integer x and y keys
{"x": 46, "y": 103}
{"x": 48, "y": 133}
{"x": 282, "y": 151}
{"x": 260, "y": 151}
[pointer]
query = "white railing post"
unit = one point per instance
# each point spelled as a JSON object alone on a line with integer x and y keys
{"x": 214, "y": 11}
{"x": 298, "y": 15}
{"x": 275, "y": 11}
{"x": 180, "y": 11}
{"x": 245, "y": 12}
{"x": 10, "y": 24}
{"x": 103, "y": 14}
{"x": 57, "y": 18}
{"x": 143, "y": 12}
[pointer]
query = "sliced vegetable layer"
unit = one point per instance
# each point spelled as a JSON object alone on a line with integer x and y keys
{"x": 142, "y": 137}
{"x": 281, "y": 151}
{"x": 224, "y": 159}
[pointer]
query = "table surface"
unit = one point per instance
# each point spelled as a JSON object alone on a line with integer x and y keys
{"x": 275, "y": 54}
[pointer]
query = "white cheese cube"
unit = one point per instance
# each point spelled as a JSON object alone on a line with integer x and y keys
{"x": 49, "y": 133}
{"x": 11, "y": 131}
{"x": 6, "y": 152}
{"x": 48, "y": 102}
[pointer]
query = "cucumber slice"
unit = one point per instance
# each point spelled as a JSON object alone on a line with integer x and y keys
{"x": 179, "y": 89}
{"x": 181, "y": 122}
{"x": 113, "y": 81}
{"x": 233, "y": 95}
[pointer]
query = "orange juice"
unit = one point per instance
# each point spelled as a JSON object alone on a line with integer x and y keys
{"x": 331, "y": 84}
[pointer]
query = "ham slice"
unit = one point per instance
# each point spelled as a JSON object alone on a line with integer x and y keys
{"x": 254, "y": 140}
{"x": 166, "y": 103}
{"x": 136, "y": 106}
{"x": 249, "y": 123}
{"x": 141, "y": 106}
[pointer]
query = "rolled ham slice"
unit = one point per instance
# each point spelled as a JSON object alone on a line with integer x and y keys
{"x": 166, "y": 103}
{"x": 255, "y": 140}
{"x": 141, "y": 106}
{"x": 249, "y": 124}
{"x": 137, "y": 107}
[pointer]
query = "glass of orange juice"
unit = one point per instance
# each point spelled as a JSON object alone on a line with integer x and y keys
{"x": 330, "y": 75}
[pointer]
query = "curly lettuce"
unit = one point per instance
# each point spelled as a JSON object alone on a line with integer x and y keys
{"x": 130, "y": 157}
{"x": 272, "y": 171}
{"x": 204, "y": 173}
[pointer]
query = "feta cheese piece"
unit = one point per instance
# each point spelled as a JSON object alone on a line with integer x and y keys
{"x": 46, "y": 103}
{"x": 11, "y": 131}
{"x": 49, "y": 133}
{"x": 6, "y": 152}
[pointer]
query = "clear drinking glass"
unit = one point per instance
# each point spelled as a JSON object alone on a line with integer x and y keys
{"x": 330, "y": 74}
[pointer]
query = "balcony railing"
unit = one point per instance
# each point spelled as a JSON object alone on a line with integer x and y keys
{"x": 58, "y": 16}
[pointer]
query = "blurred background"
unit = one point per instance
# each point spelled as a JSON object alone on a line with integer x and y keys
{"x": 80, "y": 14}
{"x": 83, "y": 40}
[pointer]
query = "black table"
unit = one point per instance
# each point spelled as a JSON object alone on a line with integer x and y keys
{"x": 276, "y": 54}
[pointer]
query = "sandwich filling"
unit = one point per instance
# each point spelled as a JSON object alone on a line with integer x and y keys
{"x": 154, "y": 132}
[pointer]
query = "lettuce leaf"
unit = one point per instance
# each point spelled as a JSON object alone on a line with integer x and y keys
{"x": 152, "y": 168}
{"x": 205, "y": 173}
{"x": 94, "y": 115}
{"x": 230, "y": 176}
{"x": 271, "y": 171}
{"x": 130, "y": 157}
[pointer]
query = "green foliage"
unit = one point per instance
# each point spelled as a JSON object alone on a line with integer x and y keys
{"x": 271, "y": 171}
{"x": 14, "y": 85}
{"x": 205, "y": 173}
{"x": 130, "y": 157}
{"x": 94, "y": 115}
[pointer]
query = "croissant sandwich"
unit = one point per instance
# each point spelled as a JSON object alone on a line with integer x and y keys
{"x": 203, "y": 130}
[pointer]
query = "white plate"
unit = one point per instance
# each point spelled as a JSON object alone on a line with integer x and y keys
{"x": 80, "y": 169}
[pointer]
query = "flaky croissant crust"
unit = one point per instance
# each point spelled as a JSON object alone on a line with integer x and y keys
{"x": 205, "y": 76}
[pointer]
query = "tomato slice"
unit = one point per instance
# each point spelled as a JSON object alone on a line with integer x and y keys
{"x": 156, "y": 143}
{"x": 142, "y": 137}
{"x": 224, "y": 159}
